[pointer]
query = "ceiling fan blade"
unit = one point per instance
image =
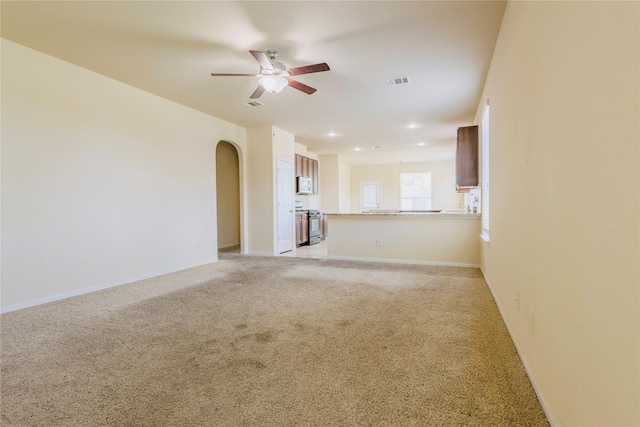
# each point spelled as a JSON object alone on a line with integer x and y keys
{"x": 316, "y": 68}
{"x": 301, "y": 86}
{"x": 257, "y": 93}
{"x": 232, "y": 74}
{"x": 262, "y": 59}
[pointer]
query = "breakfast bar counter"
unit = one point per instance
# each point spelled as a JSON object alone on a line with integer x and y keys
{"x": 448, "y": 238}
{"x": 421, "y": 214}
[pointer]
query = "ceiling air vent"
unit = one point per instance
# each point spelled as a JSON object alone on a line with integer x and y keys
{"x": 253, "y": 104}
{"x": 398, "y": 81}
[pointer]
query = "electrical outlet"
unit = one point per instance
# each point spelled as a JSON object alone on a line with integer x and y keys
{"x": 379, "y": 243}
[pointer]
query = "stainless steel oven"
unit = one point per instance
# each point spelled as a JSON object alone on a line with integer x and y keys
{"x": 315, "y": 232}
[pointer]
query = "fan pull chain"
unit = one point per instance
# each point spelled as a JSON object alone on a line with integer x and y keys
{"x": 273, "y": 116}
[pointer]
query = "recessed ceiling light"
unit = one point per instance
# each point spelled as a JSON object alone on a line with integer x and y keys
{"x": 412, "y": 126}
{"x": 422, "y": 143}
{"x": 331, "y": 134}
{"x": 357, "y": 149}
{"x": 375, "y": 147}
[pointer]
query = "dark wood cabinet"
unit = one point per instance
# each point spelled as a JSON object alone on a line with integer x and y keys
{"x": 305, "y": 229}
{"x": 298, "y": 229}
{"x": 302, "y": 228}
{"x": 298, "y": 165}
{"x": 467, "y": 158}
{"x": 314, "y": 175}
{"x": 309, "y": 169}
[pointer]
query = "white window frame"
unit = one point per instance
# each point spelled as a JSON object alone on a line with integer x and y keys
{"x": 484, "y": 141}
{"x": 427, "y": 199}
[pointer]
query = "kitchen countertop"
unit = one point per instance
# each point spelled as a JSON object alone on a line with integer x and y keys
{"x": 405, "y": 214}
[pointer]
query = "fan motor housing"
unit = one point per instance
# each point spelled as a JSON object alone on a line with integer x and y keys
{"x": 279, "y": 67}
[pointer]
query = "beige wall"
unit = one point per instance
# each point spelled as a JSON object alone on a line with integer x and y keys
{"x": 344, "y": 192}
{"x": 335, "y": 179}
{"x": 102, "y": 184}
{"x": 227, "y": 195}
{"x": 330, "y": 182}
{"x": 443, "y": 183}
{"x": 564, "y": 95}
{"x": 261, "y": 186}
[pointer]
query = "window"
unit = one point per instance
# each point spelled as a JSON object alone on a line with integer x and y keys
{"x": 415, "y": 191}
{"x": 485, "y": 173}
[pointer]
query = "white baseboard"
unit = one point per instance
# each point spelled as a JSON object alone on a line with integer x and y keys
{"x": 256, "y": 253}
{"x": 100, "y": 287}
{"x": 234, "y": 245}
{"x": 543, "y": 402}
{"x": 404, "y": 261}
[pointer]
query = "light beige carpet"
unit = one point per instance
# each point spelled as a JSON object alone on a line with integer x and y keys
{"x": 265, "y": 341}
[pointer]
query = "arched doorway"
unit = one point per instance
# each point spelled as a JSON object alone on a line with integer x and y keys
{"x": 228, "y": 197}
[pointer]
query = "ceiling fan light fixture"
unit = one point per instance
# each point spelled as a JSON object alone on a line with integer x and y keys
{"x": 273, "y": 84}
{"x": 275, "y": 75}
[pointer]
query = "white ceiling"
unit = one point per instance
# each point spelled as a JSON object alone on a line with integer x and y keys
{"x": 171, "y": 48}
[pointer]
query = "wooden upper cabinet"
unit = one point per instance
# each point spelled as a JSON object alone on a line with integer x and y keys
{"x": 467, "y": 158}
{"x": 298, "y": 165}
{"x": 308, "y": 168}
{"x": 314, "y": 175}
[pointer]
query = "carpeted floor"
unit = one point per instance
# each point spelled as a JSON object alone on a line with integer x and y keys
{"x": 269, "y": 341}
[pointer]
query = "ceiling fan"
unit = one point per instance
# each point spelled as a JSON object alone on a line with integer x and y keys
{"x": 274, "y": 75}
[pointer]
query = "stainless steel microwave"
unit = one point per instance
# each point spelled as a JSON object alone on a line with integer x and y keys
{"x": 304, "y": 185}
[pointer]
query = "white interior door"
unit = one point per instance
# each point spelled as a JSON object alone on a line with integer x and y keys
{"x": 369, "y": 195}
{"x": 285, "y": 205}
